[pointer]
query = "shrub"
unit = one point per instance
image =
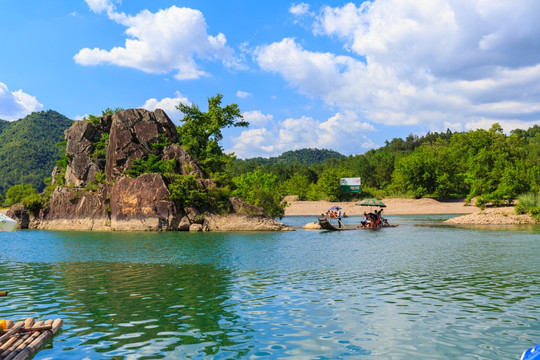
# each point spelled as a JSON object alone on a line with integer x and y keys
{"x": 529, "y": 203}
{"x": 184, "y": 191}
{"x": 33, "y": 202}
{"x": 260, "y": 189}
{"x": 17, "y": 193}
{"x": 101, "y": 178}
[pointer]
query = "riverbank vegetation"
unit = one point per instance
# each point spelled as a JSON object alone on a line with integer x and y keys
{"x": 486, "y": 167}
{"x": 529, "y": 203}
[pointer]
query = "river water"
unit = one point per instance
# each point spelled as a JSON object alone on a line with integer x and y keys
{"x": 418, "y": 291}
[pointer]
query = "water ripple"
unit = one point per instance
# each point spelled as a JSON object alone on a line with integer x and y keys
{"x": 457, "y": 293}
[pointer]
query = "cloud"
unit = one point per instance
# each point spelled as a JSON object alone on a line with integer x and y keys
{"x": 428, "y": 64}
{"x": 257, "y": 118}
{"x": 168, "y": 105}
{"x": 299, "y": 9}
{"x": 98, "y": 6}
{"x": 169, "y": 40}
{"x": 16, "y": 105}
{"x": 242, "y": 94}
{"x": 273, "y": 138}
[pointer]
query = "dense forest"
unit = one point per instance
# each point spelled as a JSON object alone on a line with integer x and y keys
{"x": 27, "y": 148}
{"x": 486, "y": 165}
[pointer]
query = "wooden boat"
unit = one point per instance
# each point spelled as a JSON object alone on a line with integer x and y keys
{"x": 325, "y": 223}
{"x": 22, "y": 340}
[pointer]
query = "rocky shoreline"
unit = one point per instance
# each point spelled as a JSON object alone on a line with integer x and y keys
{"x": 494, "y": 216}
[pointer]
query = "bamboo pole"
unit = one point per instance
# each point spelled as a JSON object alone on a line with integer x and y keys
{"x": 25, "y": 340}
{"x": 18, "y": 340}
{"x": 8, "y": 342}
{"x": 34, "y": 346}
{"x": 11, "y": 331}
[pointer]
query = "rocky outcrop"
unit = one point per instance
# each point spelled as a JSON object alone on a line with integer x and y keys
{"x": 98, "y": 195}
{"x": 76, "y": 209}
{"x": 241, "y": 207}
{"x": 187, "y": 166}
{"x": 241, "y": 222}
{"x": 20, "y": 215}
{"x": 245, "y": 217}
{"x": 142, "y": 204}
{"x": 493, "y": 216}
{"x": 81, "y": 137}
{"x": 312, "y": 226}
{"x": 132, "y": 134}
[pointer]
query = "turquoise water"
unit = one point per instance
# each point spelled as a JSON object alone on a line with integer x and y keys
{"x": 418, "y": 291}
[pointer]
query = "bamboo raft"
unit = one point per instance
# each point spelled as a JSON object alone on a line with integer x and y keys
{"x": 22, "y": 340}
{"x": 327, "y": 225}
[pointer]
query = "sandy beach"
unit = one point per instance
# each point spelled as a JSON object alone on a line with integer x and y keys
{"x": 393, "y": 207}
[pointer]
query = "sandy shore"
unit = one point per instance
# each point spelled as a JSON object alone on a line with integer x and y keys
{"x": 393, "y": 207}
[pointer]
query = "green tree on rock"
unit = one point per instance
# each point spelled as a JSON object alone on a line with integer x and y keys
{"x": 260, "y": 189}
{"x": 200, "y": 132}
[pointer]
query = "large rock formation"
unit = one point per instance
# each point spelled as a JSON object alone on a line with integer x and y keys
{"x": 96, "y": 193}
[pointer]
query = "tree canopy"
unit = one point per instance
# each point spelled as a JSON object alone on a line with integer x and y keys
{"x": 486, "y": 165}
{"x": 201, "y": 132}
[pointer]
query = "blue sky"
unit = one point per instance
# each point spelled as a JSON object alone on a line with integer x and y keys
{"x": 337, "y": 75}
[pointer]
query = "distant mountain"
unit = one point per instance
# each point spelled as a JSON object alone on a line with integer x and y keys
{"x": 303, "y": 156}
{"x": 307, "y": 156}
{"x": 28, "y": 151}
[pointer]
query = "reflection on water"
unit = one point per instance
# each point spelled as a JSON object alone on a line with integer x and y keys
{"x": 416, "y": 291}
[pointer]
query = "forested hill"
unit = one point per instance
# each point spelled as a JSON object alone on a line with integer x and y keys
{"x": 28, "y": 151}
{"x": 307, "y": 157}
{"x": 488, "y": 165}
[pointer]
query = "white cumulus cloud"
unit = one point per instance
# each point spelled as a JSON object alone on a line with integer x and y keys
{"x": 299, "y": 9}
{"x": 343, "y": 132}
{"x": 15, "y": 105}
{"x": 257, "y": 118}
{"x": 168, "y": 105}
{"x": 170, "y": 40}
{"x": 242, "y": 94}
{"x": 433, "y": 64}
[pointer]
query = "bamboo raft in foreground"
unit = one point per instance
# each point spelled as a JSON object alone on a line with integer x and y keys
{"x": 22, "y": 340}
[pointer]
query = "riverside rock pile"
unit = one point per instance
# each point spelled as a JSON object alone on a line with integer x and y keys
{"x": 122, "y": 202}
{"x": 493, "y": 216}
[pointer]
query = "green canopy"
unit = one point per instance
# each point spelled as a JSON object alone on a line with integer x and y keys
{"x": 371, "y": 202}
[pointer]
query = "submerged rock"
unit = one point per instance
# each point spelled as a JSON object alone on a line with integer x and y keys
{"x": 312, "y": 226}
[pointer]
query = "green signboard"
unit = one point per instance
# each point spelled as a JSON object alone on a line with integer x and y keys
{"x": 350, "y": 185}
